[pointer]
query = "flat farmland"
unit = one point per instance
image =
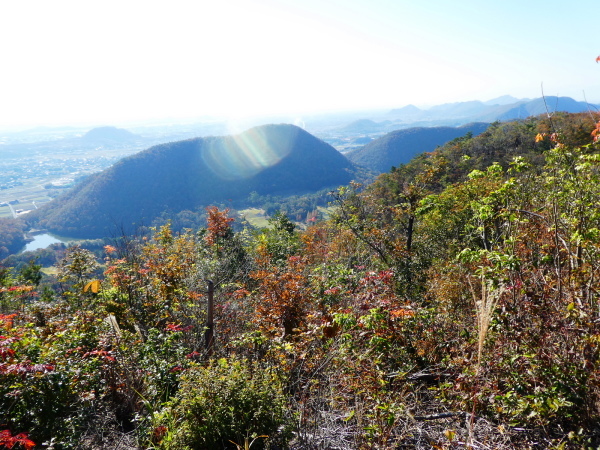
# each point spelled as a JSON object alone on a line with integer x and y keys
{"x": 35, "y": 175}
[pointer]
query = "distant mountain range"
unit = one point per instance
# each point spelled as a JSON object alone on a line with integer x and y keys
{"x": 504, "y": 100}
{"x": 455, "y": 114}
{"x": 106, "y": 137}
{"x": 498, "y": 109}
{"x": 110, "y": 135}
{"x": 400, "y": 146}
{"x": 270, "y": 159}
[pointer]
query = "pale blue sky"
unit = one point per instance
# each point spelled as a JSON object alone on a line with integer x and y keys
{"x": 111, "y": 61}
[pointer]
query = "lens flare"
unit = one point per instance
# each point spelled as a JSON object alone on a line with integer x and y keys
{"x": 244, "y": 155}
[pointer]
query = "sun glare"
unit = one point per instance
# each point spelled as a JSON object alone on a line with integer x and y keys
{"x": 243, "y": 155}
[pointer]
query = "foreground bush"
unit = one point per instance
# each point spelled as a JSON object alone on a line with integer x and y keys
{"x": 223, "y": 404}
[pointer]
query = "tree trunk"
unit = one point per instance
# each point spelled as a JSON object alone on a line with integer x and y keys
{"x": 209, "y": 328}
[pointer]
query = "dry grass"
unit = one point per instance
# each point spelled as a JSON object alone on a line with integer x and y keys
{"x": 484, "y": 310}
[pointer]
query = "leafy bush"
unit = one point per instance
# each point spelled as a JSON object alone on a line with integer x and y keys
{"x": 224, "y": 404}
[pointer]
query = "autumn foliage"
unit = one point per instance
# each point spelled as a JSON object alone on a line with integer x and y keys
{"x": 18, "y": 441}
{"x": 453, "y": 303}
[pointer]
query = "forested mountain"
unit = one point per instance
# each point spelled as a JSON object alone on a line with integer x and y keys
{"x": 271, "y": 159}
{"x": 500, "y": 143}
{"x": 399, "y": 147}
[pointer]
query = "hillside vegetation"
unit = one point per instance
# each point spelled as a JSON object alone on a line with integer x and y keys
{"x": 399, "y": 147}
{"x": 453, "y": 303}
{"x": 12, "y": 236}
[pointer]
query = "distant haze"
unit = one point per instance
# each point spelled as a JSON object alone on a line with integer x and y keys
{"x": 71, "y": 62}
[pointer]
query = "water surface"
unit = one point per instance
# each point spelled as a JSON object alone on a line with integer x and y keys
{"x": 41, "y": 240}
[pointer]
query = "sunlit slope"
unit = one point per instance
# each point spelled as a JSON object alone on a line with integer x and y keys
{"x": 271, "y": 159}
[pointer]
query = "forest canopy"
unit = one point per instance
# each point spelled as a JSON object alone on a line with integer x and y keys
{"x": 12, "y": 236}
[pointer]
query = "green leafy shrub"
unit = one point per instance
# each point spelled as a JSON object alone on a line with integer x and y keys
{"x": 224, "y": 404}
{"x": 49, "y": 378}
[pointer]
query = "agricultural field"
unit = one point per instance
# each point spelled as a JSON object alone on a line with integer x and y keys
{"x": 256, "y": 217}
{"x": 40, "y": 176}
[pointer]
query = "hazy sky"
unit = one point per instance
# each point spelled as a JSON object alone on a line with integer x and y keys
{"x": 105, "y": 62}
